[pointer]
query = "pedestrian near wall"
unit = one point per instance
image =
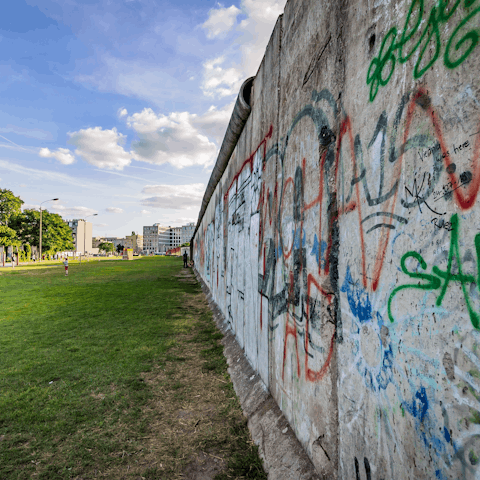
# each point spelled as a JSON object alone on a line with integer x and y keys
{"x": 185, "y": 259}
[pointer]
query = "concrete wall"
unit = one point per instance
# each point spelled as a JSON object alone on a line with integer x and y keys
{"x": 342, "y": 243}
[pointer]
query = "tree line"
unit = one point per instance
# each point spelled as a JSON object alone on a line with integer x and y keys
{"x": 21, "y": 230}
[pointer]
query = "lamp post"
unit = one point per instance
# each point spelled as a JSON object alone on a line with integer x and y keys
{"x": 85, "y": 233}
{"x": 51, "y": 200}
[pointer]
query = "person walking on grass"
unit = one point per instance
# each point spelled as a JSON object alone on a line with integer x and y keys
{"x": 65, "y": 262}
{"x": 185, "y": 259}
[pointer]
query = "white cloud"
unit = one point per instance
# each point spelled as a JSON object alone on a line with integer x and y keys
{"x": 45, "y": 175}
{"x": 31, "y": 206}
{"x": 178, "y": 197}
{"x": 100, "y": 224}
{"x": 63, "y": 155}
{"x": 145, "y": 212}
{"x": 222, "y": 77}
{"x": 219, "y": 81}
{"x": 36, "y": 133}
{"x": 173, "y": 220}
{"x": 170, "y": 139}
{"x": 220, "y": 21}
{"x": 213, "y": 123}
{"x": 122, "y": 112}
{"x": 62, "y": 210}
{"x": 256, "y": 31}
{"x": 101, "y": 148}
{"x": 140, "y": 78}
{"x": 114, "y": 210}
{"x": 72, "y": 212}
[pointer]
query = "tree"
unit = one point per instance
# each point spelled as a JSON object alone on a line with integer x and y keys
{"x": 8, "y": 237}
{"x": 107, "y": 247}
{"x": 10, "y": 205}
{"x": 56, "y": 234}
{"x": 120, "y": 248}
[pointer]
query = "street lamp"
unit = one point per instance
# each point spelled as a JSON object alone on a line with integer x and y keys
{"x": 85, "y": 233}
{"x": 51, "y": 200}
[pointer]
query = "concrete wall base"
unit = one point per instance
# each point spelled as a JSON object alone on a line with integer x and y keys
{"x": 283, "y": 456}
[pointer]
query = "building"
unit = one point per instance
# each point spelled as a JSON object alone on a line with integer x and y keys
{"x": 175, "y": 236}
{"x": 115, "y": 240}
{"x": 156, "y": 238}
{"x": 134, "y": 241}
{"x": 163, "y": 240}
{"x": 82, "y": 235}
{"x": 187, "y": 232}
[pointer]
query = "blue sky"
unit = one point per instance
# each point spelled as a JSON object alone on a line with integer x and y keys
{"x": 119, "y": 107}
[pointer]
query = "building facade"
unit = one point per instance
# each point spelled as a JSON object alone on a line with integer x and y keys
{"x": 134, "y": 241}
{"x": 82, "y": 235}
{"x": 175, "y": 236}
{"x": 156, "y": 238}
{"x": 159, "y": 239}
{"x": 115, "y": 240}
{"x": 187, "y": 232}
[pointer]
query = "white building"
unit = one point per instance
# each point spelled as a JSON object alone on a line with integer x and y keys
{"x": 187, "y": 232}
{"x": 156, "y": 238}
{"x": 175, "y": 237}
{"x": 82, "y": 235}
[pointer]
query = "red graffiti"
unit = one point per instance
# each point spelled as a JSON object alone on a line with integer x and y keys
{"x": 290, "y": 330}
{"x": 249, "y": 161}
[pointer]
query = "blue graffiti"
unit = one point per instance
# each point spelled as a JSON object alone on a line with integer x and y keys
{"x": 358, "y": 299}
{"x": 447, "y": 434}
{"x": 319, "y": 252}
{"x": 296, "y": 239}
{"x": 425, "y": 425}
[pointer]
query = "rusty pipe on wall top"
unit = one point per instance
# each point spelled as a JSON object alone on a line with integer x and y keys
{"x": 240, "y": 114}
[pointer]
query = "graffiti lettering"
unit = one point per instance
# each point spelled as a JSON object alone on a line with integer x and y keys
{"x": 415, "y": 193}
{"x": 392, "y": 49}
{"x": 440, "y": 223}
{"x": 450, "y": 187}
{"x": 434, "y": 280}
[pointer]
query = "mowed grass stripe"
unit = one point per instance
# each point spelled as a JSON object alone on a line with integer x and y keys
{"x": 93, "y": 369}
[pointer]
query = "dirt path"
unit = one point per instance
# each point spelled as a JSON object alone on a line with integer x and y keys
{"x": 197, "y": 430}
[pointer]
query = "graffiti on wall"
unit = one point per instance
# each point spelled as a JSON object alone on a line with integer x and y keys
{"x": 281, "y": 216}
{"x": 420, "y": 36}
{"x": 433, "y": 281}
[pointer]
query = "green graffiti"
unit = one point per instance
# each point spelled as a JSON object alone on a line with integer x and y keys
{"x": 434, "y": 281}
{"x": 407, "y": 43}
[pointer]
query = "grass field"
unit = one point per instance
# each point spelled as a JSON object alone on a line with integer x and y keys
{"x": 115, "y": 371}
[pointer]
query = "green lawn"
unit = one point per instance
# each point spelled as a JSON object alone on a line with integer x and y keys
{"x": 64, "y": 340}
{"x": 116, "y": 372}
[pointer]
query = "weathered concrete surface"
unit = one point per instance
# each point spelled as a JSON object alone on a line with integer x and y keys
{"x": 342, "y": 242}
{"x": 283, "y": 456}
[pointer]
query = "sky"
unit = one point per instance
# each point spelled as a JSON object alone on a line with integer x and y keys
{"x": 119, "y": 107}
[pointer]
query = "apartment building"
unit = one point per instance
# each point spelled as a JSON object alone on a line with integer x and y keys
{"x": 81, "y": 234}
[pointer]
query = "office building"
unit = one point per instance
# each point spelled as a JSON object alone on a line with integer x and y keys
{"x": 156, "y": 238}
{"x": 187, "y": 232}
